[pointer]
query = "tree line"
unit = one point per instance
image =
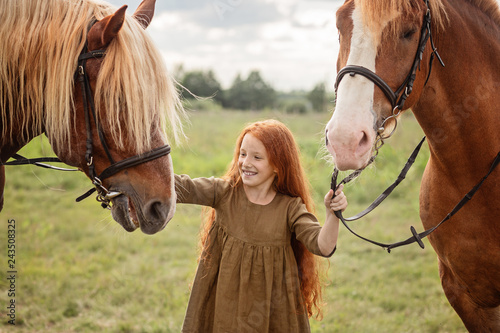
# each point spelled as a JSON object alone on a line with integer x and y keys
{"x": 251, "y": 93}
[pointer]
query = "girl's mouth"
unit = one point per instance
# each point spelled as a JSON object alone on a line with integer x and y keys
{"x": 249, "y": 173}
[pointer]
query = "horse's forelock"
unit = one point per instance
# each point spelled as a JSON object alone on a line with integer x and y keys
{"x": 377, "y": 13}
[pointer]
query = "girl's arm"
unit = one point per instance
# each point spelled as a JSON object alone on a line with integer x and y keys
{"x": 327, "y": 239}
{"x": 199, "y": 191}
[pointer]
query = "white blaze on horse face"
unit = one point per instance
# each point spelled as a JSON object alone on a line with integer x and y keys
{"x": 351, "y": 131}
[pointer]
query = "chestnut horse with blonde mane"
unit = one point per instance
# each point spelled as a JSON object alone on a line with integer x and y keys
{"x": 43, "y": 43}
{"x": 457, "y": 107}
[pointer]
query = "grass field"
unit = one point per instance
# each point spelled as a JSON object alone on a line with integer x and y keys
{"x": 79, "y": 271}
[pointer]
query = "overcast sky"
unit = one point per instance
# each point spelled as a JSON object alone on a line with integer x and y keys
{"x": 293, "y": 43}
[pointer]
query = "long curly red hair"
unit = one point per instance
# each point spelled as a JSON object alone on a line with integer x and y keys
{"x": 284, "y": 156}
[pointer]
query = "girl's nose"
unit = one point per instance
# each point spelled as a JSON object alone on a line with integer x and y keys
{"x": 246, "y": 162}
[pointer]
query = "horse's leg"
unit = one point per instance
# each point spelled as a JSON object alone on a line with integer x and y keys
{"x": 474, "y": 317}
{"x": 2, "y": 184}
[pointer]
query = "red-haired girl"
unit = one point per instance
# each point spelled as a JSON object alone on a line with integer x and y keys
{"x": 257, "y": 270}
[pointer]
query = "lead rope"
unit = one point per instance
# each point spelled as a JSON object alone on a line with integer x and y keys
{"x": 416, "y": 237}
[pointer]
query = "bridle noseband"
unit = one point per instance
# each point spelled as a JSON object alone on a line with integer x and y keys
{"x": 104, "y": 195}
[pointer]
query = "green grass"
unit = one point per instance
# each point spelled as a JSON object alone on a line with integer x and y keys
{"x": 79, "y": 271}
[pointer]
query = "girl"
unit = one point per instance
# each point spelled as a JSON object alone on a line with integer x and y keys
{"x": 257, "y": 271}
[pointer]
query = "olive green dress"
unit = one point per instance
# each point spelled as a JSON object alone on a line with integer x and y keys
{"x": 247, "y": 280}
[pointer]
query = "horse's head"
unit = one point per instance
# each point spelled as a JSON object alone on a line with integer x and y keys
{"x": 378, "y": 48}
{"x": 130, "y": 89}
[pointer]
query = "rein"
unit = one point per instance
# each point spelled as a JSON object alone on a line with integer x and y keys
{"x": 104, "y": 195}
{"x": 416, "y": 237}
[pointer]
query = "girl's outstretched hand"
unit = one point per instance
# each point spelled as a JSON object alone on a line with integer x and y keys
{"x": 339, "y": 202}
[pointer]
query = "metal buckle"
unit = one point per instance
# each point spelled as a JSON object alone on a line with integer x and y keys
{"x": 104, "y": 196}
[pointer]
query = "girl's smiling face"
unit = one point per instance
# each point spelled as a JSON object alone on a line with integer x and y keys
{"x": 253, "y": 163}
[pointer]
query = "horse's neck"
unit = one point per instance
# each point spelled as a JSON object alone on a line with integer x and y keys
{"x": 458, "y": 109}
{"x": 10, "y": 146}
{"x": 12, "y": 143}
{"x": 2, "y": 185}
{"x": 7, "y": 150}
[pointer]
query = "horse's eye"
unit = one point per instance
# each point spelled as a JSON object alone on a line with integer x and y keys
{"x": 409, "y": 33}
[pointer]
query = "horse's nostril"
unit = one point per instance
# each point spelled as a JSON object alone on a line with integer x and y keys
{"x": 326, "y": 138}
{"x": 364, "y": 143}
{"x": 364, "y": 140}
{"x": 156, "y": 211}
{"x": 156, "y": 215}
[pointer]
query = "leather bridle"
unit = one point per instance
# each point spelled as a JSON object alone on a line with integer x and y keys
{"x": 104, "y": 195}
{"x": 398, "y": 97}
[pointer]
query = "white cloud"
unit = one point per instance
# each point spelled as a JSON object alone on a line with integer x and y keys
{"x": 292, "y": 42}
{"x": 277, "y": 30}
{"x": 315, "y": 14}
{"x": 219, "y": 34}
{"x": 166, "y": 20}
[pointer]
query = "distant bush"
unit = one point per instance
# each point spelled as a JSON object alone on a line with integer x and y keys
{"x": 296, "y": 107}
{"x": 317, "y": 97}
{"x": 202, "y": 84}
{"x": 253, "y": 93}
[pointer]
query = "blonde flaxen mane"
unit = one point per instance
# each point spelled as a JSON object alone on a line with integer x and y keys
{"x": 41, "y": 43}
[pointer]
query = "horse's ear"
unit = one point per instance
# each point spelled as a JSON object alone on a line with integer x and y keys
{"x": 144, "y": 13}
{"x": 104, "y": 31}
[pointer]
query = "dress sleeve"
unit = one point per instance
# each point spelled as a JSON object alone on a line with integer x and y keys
{"x": 199, "y": 191}
{"x": 305, "y": 226}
